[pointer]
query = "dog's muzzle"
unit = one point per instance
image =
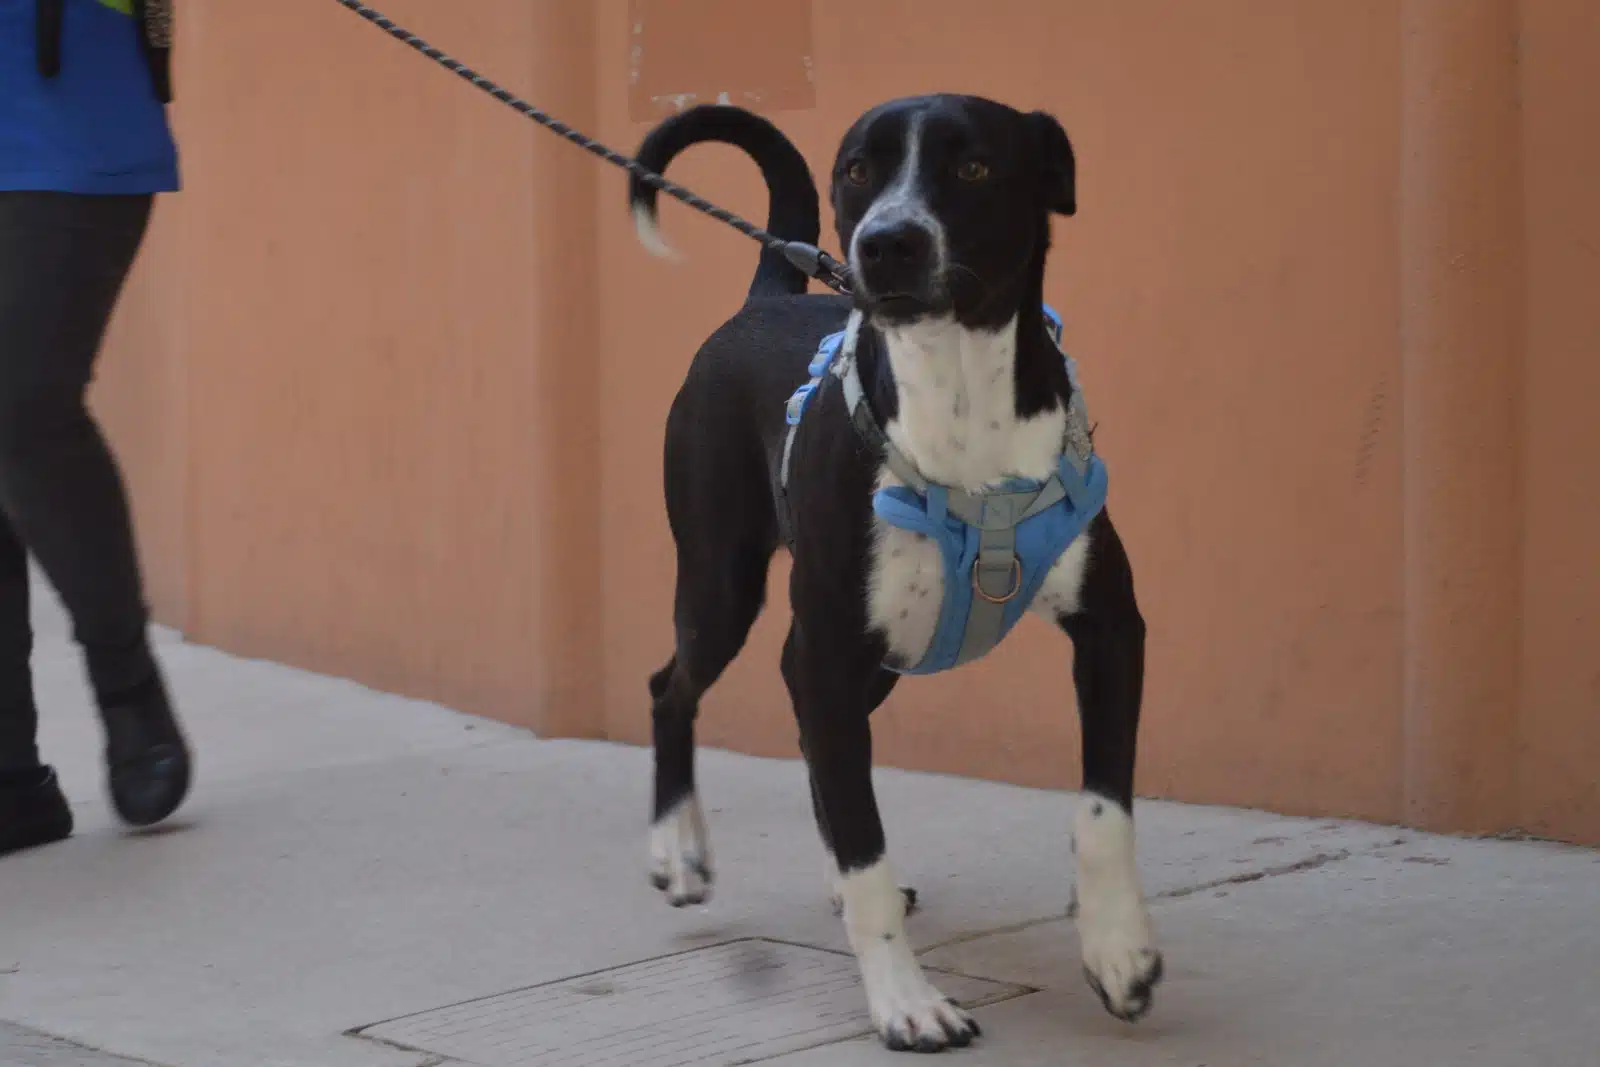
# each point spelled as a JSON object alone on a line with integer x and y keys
{"x": 897, "y": 260}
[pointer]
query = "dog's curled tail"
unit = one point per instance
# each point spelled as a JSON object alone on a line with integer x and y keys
{"x": 794, "y": 213}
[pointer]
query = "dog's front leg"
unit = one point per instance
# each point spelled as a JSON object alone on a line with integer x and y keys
{"x": 833, "y": 704}
{"x": 1119, "y": 955}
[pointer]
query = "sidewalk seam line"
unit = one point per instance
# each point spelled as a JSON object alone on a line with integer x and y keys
{"x": 1309, "y": 863}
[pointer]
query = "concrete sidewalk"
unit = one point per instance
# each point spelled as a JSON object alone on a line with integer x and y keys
{"x": 365, "y": 881}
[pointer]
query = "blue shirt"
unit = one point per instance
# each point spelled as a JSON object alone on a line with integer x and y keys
{"x": 97, "y": 126}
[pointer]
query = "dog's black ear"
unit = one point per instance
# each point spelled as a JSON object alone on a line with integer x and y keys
{"x": 1059, "y": 165}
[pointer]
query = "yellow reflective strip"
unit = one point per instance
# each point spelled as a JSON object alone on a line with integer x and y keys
{"x": 124, "y": 6}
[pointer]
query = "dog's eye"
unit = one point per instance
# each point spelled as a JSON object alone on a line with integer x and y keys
{"x": 856, "y": 172}
{"x": 972, "y": 170}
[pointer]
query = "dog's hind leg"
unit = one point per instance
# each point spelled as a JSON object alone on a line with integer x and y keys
{"x": 717, "y": 603}
{"x": 680, "y": 847}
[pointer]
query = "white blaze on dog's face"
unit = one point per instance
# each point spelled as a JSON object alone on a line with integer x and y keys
{"x": 942, "y": 205}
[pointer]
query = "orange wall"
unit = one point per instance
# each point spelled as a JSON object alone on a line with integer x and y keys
{"x": 1558, "y": 739}
{"x": 391, "y": 381}
{"x": 365, "y": 281}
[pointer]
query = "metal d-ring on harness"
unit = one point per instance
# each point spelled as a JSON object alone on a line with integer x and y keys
{"x": 808, "y": 259}
{"x": 997, "y": 545}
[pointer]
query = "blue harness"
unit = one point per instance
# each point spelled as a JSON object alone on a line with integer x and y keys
{"x": 998, "y": 545}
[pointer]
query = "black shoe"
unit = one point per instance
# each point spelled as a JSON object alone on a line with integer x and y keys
{"x": 147, "y": 760}
{"x": 32, "y": 811}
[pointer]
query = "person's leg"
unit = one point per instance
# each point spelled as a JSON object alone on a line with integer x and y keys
{"x": 18, "y": 720}
{"x": 63, "y": 260}
{"x": 32, "y": 809}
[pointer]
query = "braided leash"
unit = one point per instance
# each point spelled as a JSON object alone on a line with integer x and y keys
{"x": 810, "y": 260}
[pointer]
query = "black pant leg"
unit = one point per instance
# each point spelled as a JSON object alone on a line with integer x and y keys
{"x": 63, "y": 261}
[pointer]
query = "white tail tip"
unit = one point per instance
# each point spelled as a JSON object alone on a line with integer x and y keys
{"x": 648, "y": 227}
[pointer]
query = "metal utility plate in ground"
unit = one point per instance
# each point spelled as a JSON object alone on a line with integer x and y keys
{"x": 22, "y": 1047}
{"x": 734, "y": 1003}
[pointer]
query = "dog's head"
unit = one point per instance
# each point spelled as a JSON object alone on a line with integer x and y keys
{"x": 943, "y": 206}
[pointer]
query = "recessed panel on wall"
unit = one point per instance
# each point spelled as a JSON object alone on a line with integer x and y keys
{"x": 687, "y": 52}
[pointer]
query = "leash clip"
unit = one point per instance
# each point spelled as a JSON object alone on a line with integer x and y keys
{"x": 813, "y": 262}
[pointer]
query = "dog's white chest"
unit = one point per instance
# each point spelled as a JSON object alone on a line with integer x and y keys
{"x": 957, "y": 423}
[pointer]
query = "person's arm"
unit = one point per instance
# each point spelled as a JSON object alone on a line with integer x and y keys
{"x": 155, "y": 21}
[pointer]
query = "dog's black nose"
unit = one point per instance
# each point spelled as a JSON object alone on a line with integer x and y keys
{"x": 896, "y": 257}
{"x": 897, "y": 243}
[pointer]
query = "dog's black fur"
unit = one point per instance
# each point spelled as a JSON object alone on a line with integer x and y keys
{"x": 991, "y": 177}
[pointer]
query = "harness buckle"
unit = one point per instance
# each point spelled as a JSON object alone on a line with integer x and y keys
{"x": 1016, "y": 582}
{"x": 796, "y": 407}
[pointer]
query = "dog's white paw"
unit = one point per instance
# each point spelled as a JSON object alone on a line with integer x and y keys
{"x": 907, "y": 1011}
{"x": 680, "y": 854}
{"x": 909, "y": 1014}
{"x": 1119, "y": 956}
{"x": 1120, "y": 961}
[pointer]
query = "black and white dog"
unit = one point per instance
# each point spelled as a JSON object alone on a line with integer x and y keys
{"x": 943, "y": 204}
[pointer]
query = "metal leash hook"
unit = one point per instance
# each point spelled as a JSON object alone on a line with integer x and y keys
{"x": 809, "y": 259}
